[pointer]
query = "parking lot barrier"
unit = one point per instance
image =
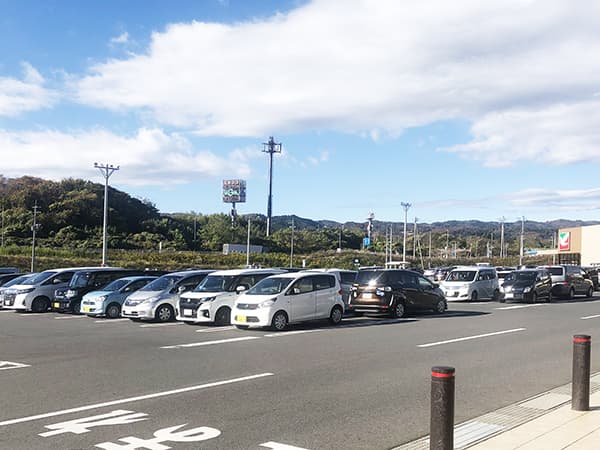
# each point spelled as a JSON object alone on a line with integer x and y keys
{"x": 580, "y": 390}
{"x": 441, "y": 426}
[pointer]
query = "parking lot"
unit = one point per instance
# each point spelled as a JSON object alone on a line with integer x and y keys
{"x": 70, "y": 381}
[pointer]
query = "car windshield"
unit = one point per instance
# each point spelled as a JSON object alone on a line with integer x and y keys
{"x": 115, "y": 285}
{"x": 461, "y": 275}
{"x": 18, "y": 280}
{"x": 371, "y": 277}
{"x": 39, "y": 278}
{"x": 162, "y": 284}
{"x": 215, "y": 283}
{"x": 524, "y": 276}
{"x": 270, "y": 286}
{"x": 80, "y": 279}
{"x": 555, "y": 271}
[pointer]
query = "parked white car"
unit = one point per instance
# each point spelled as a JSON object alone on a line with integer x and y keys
{"x": 471, "y": 283}
{"x": 288, "y": 298}
{"x": 158, "y": 299}
{"x": 212, "y": 300}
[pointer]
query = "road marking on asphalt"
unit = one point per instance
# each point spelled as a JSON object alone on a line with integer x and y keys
{"x": 220, "y": 341}
{"x": 32, "y": 314}
{"x": 157, "y": 325}
{"x": 135, "y": 399}
{"x": 590, "y": 317}
{"x": 521, "y": 306}
{"x": 468, "y": 338}
{"x": 70, "y": 317}
{"x": 214, "y": 330}
{"x": 289, "y": 333}
{"x": 278, "y": 446}
{"x": 111, "y": 320}
{"x": 6, "y": 365}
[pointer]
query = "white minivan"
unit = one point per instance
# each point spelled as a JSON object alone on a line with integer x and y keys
{"x": 287, "y": 298}
{"x": 212, "y": 300}
{"x": 471, "y": 283}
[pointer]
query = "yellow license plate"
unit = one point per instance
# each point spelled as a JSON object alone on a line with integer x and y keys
{"x": 241, "y": 318}
{"x": 86, "y": 309}
{"x": 57, "y": 305}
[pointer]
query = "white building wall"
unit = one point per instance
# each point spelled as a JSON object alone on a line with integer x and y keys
{"x": 590, "y": 245}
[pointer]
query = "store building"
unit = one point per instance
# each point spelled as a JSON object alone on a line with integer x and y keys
{"x": 579, "y": 245}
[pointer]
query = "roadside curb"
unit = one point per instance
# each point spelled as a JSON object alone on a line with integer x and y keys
{"x": 479, "y": 429}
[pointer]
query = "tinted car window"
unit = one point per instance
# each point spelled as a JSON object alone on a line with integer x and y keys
{"x": 323, "y": 282}
{"x": 371, "y": 277}
{"x": 425, "y": 283}
{"x": 555, "y": 270}
{"x": 461, "y": 275}
{"x": 304, "y": 285}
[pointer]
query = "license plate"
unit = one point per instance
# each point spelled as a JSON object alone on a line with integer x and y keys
{"x": 368, "y": 295}
{"x": 508, "y": 295}
{"x": 188, "y": 312}
{"x": 57, "y": 305}
{"x": 241, "y": 318}
{"x": 86, "y": 309}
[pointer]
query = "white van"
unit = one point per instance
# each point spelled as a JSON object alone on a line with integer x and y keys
{"x": 287, "y": 298}
{"x": 471, "y": 283}
{"x": 212, "y": 300}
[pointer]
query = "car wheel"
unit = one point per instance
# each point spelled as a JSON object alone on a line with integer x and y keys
{"x": 223, "y": 316}
{"x": 336, "y": 315}
{"x": 113, "y": 311}
{"x": 76, "y": 308}
{"x": 440, "y": 307}
{"x": 40, "y": 304}
{"x": 571, "y": 294}
{"x": 502, "y": 300}
{"x": 164, "y": 313}
{"x": 496, "y": 295}
{"x": 549, "y": 296}
{"x": 590, "y": 292}
{"x": 534, "y": 297}
{"x": 474, "y": 296}
{"x": 279, "y": 321}
{"x": 398, "y": 310}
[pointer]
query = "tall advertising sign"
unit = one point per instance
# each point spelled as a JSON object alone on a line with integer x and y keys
{"x": 564, "y": 240}
{"x": 234, "y": 191}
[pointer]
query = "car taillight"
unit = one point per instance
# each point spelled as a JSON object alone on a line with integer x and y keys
{"x": 566, "y": 283}
{"x": 340, "y": 292}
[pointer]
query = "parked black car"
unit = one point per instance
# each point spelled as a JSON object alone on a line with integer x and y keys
{"x": 394, "y": 291}
{"x": 528, "y": 285}
{"x": 592, "y": 273}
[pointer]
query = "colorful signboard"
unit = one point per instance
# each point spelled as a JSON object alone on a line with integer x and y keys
{"x": 564, "y": 240}
{"x": 234, "y": 191}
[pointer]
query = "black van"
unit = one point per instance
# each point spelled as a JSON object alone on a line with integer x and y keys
{"x": 83, "y": 281}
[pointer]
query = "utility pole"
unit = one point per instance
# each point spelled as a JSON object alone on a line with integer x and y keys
{"x": 340, "y": 238}
{"x": 521, "y": 246}
{"x": 415, "y": 240}
{"x": 106, "y": 170}
{"x": 270, "y": 147}
{"x": 34, "y": 227}
{"x": 292, "y": 245}
{"x": 195, "y": 232}
{"x": 406, "y": 206}
{"x": 2, "y": 234}
{"x": 248, "y": 246}
{"x": 391, "y": 240}
{"x": 429, "y": 247}
{"x": 502, "y": 251}
{"x": 447, "y": 243}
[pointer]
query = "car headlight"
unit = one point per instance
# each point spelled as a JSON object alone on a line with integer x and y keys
{"x": 101, "y": 298}
{"x": 381, "y": 291}
{"x": 267, "y": 303}
{"x": 208, "y": 299}
{"x": 148, "y": 300}
{"x": 526, "y": 290}
{"x": 24, "y": 291}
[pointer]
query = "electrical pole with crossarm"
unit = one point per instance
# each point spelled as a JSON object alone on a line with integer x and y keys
{"x": 270, "y": 147}
{"x": 107, "y": 170}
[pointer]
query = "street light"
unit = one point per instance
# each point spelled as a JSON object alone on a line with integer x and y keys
{"x": 106, "y": 170}
{"x": 406, "y": 206}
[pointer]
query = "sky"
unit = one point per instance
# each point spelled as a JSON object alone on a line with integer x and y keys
{"x": 464, "y": 109}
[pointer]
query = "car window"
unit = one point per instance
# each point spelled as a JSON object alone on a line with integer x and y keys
{"x": 63, "y": 277}
{"x": 409, "y": 280}
{"x": 303, "y": 285}
{"x": 191, "y": 282}
{"x": 424, "y": 283}
{"x": 347, "y": 277}
{"x": 461, "y": 275}
{"x": 138, "y": 284}
{"x": 102, "y": 278}
{"x": 323, "y": 282}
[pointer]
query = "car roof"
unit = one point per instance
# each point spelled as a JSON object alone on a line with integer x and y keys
{"x": 247, "y": 271}
{"x": 189, "y": 273}
{"x": 139, "y": 277}
{"x": 301, "y": 274}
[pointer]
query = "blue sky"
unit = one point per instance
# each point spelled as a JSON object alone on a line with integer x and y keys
{"x": 467, "y": 110}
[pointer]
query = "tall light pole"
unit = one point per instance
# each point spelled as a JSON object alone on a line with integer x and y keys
{"x": 415, "y": 239}
{"x": 502, "y": 250}
{"x": 248, "y": 246}
{"x": 106, "y": 170}
{"x": 34, "y": 227}
{"x": 270, "y": 147}
{"x": 292, "y": 245}
{"x": 406, "y": 206}
{"x": 521, "y": 246}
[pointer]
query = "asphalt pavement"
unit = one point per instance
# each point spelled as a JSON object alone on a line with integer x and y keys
{"x": 74, "y": 382}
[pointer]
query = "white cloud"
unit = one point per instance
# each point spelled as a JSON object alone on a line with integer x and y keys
{"x": 123, "y": 38}
{"x": 29, "y": 94}
{"x": 561, "y": 199}
{"x": 376, "y": 69}
{"x": 150, "y": 157}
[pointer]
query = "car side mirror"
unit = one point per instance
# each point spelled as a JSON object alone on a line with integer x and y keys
{"x": 295, "y": 291}
{"x": 241, "y": 288}
{"x": 181, "y": 289}
{"x": 56, "y": 281}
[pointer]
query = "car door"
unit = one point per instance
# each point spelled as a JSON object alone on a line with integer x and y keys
{"x": 411, "y": 288}
{"x": 429, "y": 296}
{"x": 302, "y": 300}
{"x": 323, "y": 286}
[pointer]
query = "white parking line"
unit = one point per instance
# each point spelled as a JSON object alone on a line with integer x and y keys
{"x": 32, "y": 314}
{"x": 134, "y": 399}
{"x": 111, "y": 320}
{"x": 70, "y": 317}
{"x": 467, "y": 338}
{"x": 521, "y": 306}
{"x": 590, "y": 317}
{"x": 289, "y": 333}
{"x": 6, "y": 365}
{"x": 220, "y": 341}
{"x": 156, "y": 325}
{"x": 214, "y": 330}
